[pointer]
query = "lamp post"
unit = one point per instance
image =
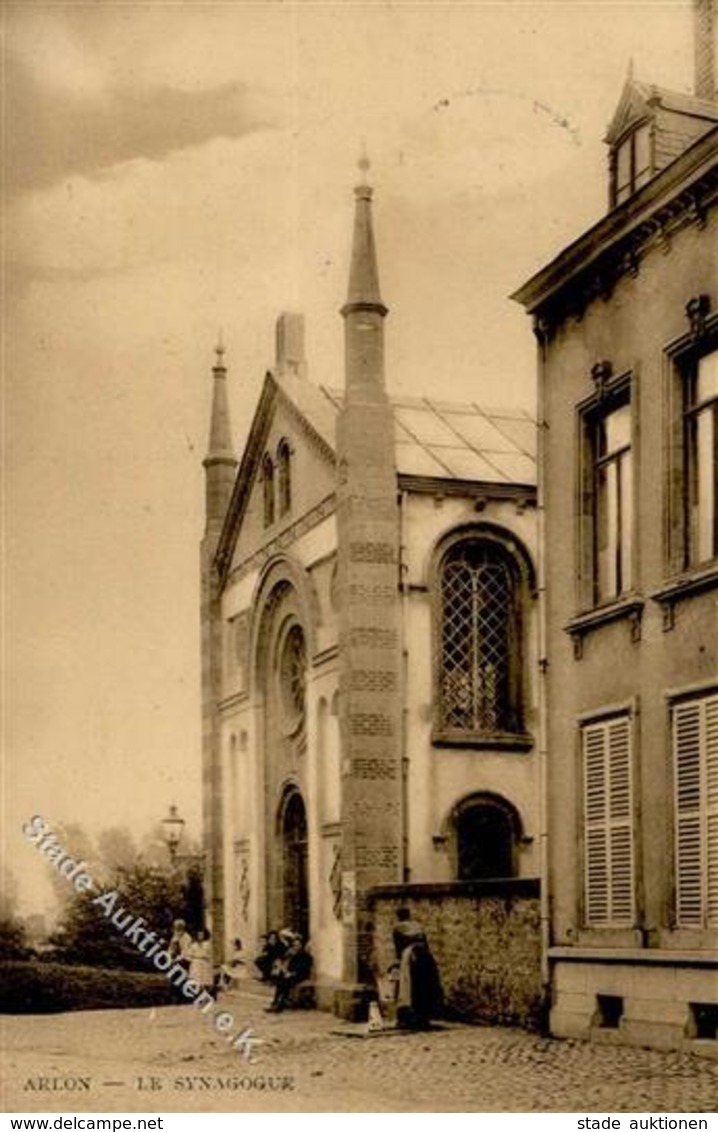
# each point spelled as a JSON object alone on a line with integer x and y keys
{"x": 172, "y": 829}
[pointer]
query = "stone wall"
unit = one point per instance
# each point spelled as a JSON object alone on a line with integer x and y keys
{"x": 485, "y": 937}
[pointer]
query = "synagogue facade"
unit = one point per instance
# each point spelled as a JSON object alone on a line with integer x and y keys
{"x": 369, "y": 644}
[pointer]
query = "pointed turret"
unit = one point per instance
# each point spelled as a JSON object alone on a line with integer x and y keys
{"x": 364, "y": 311}
{"x": 220, "y": 463}
{"x": 364, "y": 293}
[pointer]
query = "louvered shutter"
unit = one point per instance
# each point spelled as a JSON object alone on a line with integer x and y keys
{"x": 608, "y": 814}
{"x": 689, "y": 865}
{"x": 695, "y": 751}
{"x": 620, "y": 813}
{"x": 711, "y": 733}
{"x": 596, "y": 826}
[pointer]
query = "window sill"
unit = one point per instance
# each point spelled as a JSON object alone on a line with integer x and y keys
{"x": 629, "y": 607}
{"x": 502, "y": 740}
{"x": 604, "y": 953}
{"x": 688, "y": 584}
{"x": 607, "y": 936}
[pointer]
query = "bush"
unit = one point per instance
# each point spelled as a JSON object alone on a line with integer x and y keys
{"x": 12, "y": 939}
{"x": 50, "y": 988}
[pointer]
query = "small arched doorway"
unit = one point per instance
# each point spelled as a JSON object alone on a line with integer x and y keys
{"x": 295, "y": 886}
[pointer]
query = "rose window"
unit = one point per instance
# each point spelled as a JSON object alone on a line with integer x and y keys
{"x": 293, "y": 677}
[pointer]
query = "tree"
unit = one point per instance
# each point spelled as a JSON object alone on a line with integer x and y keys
{"x": 150, "y": 889}
{"x": 12, "y": 931}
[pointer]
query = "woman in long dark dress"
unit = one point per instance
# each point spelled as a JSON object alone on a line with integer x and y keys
{"x": 419, "y": 994}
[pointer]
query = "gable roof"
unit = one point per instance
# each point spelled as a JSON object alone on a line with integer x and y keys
{"x": 640, "y": 100}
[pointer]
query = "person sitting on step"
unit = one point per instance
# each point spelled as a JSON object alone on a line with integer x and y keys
{"x": 293, "y": 969}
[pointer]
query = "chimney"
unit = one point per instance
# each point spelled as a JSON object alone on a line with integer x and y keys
{"x": 704, "y": 37}
{"x": 290, "y": 343}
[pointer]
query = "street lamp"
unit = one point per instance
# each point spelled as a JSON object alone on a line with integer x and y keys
{"x": 172, "y": 829}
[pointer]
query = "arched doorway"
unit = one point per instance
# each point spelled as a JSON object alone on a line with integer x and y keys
{"x": 295, "y": 886}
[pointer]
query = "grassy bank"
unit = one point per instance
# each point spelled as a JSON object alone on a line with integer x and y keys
{"x": 31, "y": 987}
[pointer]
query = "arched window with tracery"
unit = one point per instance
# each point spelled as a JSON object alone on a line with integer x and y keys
{"x": 284, "y": 476}
{"x": 479, "y": 641}
{"x": 268, "y": 483}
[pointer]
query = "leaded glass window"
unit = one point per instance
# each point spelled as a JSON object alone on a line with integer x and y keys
{"x": 479, "y": 675}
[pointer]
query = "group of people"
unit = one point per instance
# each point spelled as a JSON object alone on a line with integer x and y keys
{"x": 284, "y": 961}
{"x": 194, "y": 954}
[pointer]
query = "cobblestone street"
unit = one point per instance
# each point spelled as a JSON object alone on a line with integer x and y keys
{"x": 172, "y": 1059}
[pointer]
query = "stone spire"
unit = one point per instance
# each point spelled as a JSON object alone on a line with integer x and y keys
{"x": 364, "y": 311}
{"x": 220, "y": 463}
{"x": 363, "y": 291}
{"x": 220, "y": 433}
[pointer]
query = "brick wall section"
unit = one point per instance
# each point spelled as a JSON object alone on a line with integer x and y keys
{"x": 485, "y": 938}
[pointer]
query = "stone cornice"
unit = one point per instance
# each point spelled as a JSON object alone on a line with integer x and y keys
{"x": 283, "y": 539}
{"x": 588, "y": 269}
{"x": 472, "y": 489}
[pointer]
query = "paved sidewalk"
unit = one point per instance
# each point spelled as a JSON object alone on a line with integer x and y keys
{"x": 172, "y": 1059}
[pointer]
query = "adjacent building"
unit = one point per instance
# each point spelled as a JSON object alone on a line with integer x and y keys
{"x": 626, "y": 319}
{"x": 369, "y": 652}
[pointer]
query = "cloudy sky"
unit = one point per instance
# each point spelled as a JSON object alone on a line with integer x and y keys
{"x": 173, "y": 168}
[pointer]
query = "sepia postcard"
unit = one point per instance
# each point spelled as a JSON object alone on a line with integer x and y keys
{"x": 360, "y": 387}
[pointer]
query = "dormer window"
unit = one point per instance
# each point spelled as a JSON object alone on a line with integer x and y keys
{"x": 649, "y": 130}
{"x": 633, "y": 165}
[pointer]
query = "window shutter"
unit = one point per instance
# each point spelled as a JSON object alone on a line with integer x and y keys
{"x": 711, "y": 714}
{"x": 596, "y": 845}
{"x": 608, "y": 808}
{"x": 689, "y": 865}
{"x": 621, "y": 819}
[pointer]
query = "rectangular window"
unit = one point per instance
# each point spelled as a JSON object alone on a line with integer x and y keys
{"x": 633, "y": 163}
{"x": 701, "y": 461}
{"x": 695, "y": 770}
{"x": 614, "y": 502}
{"x": 624, "y": 158}
{"x": 608, "y": 823}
